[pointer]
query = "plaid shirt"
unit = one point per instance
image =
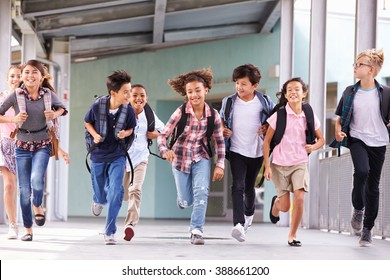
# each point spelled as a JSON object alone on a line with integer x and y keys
{"x": 188, "y": 147}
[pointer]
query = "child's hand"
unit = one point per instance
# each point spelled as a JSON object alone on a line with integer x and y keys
{"x": 21, "y": 117}
{"x": 340, "y": 135}
{"x": 227, "y": 133}
{"x": 122, "y": 134}
{"x": 268, "y": 173}
{"x": 97, "y": 138}
{"x": 218, "y": 174}
{"x": 152, "y": 134}
{"x": 49, "y": 115}
{"x": 262, "y": 129}
{"x": 169, "y": 156}
{"x": 309, "y": 148}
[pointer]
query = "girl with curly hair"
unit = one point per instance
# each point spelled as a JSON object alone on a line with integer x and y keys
{"x": 189, "y": 155}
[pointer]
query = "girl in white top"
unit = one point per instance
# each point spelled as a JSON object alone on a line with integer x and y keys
{"x": 7, "y": 153}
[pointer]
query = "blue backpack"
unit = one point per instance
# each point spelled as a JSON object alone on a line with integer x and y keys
{"x": 119, "y": 125}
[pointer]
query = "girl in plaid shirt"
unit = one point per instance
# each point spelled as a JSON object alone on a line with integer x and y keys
{"x": 190, "y": 161}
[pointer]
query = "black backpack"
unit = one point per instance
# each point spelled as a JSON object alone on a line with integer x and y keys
{"x": 151, "y": 126}
{"x": 182, "y": 124}
{"x": 281, "y": 126}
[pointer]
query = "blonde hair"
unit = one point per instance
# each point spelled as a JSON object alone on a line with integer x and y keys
{"x": 375, "y": 59}
{"x": 179, "y": 83}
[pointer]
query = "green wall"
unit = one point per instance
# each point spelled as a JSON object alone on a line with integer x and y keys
{"x": 153, "y": 69}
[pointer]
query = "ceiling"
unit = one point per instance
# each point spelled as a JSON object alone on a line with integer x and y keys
{"x": 98, "y": 28}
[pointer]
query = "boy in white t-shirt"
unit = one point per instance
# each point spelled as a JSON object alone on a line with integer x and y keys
{"x": 244, "y": 127}
{"x": 139, "y": 154}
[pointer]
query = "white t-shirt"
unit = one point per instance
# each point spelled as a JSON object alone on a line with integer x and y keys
{"x": 139, "y": 149}
{"x": 366, "y": 123}
{"x": 246, "y": 122}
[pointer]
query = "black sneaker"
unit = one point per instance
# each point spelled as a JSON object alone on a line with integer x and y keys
{"x": 365, "y": 239}
{"x": 357, "y": 221}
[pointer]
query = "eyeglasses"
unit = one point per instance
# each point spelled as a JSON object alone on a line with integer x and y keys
{"x": 357, "y": 65}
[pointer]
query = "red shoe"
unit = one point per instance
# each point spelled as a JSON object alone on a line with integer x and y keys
{"x": 129, "y": 233}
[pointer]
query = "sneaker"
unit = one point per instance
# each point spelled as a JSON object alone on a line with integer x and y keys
{"x": 238, "y": 233}
{"x": 248, "y": 222}
{"x": 357, "y": 221}
{"x": 197, "y": 239}
{"x": 179, "y": 205}
{"x": 129, "y": 232}
{"x": 13, "y": 231}
{"x": 365, "y": 239}
{"x": 97, "y": 209}
{"x": 109, "y": 239}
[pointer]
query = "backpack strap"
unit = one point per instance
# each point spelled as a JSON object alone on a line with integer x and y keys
{"x": 280, "y": 127}
{"x": 21, "y": 103}
{"x": 103, "y": 113}
{"x": 150, "y": 120}
{"x": 210, "y": 130}
{"x": 151, "y": 127}
{"x": 310, "y": 130}
{"x": 179, "y": 126}
{"x": 228, "y": 107}
{"x": 47, "y": 101}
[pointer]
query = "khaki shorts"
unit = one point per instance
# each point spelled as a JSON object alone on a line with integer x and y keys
{"x": 290, "y": 178}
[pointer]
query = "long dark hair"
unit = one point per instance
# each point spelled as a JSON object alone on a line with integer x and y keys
{"x": 43, "y": 69}
{"x": 282, "y": 94}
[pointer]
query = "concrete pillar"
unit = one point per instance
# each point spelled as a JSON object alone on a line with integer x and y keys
{"x": 317, "y": 82}
{"x": 29, "y": 47}
{"x": 286, "y": 70}
{"x": 5, "y": 51}
{"x": 286, "y": 40}
{"x": 5, "y": 40}
{"x": 366, "y": 25}
{"x": 57, "y": 173}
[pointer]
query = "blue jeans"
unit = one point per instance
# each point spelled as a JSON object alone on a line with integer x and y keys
{"x": 193, "y": 190}
{"x": 107, "y": 186}
{"x": 31, "y": 168}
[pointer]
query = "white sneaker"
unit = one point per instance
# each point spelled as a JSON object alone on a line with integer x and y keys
{"x": 109, "y": 239}
{"x": 13, "y": 231}
{"x": 96, "y": 209}
{"x": 248, "y": 222}
{"x": 238, "y": 233}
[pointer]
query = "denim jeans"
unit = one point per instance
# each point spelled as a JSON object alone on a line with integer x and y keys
{"x": 193, "y": 190}
{"x": 31, "y": 168}
{"x": 107, "y": 187}
{"x": 244, "y": 173}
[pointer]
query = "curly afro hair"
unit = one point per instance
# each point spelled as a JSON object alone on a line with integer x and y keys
{"x": 204, "y": 76}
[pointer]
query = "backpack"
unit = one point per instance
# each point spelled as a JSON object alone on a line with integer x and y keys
{"x": 281, "y": 125}
{"x": 102, "y": 120}
{"x": 182, "y": 124}
{"x": 51, "y": 125}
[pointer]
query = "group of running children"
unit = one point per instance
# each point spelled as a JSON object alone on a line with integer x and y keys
{"x": 248, "y": 128}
